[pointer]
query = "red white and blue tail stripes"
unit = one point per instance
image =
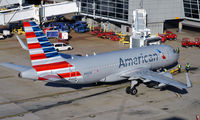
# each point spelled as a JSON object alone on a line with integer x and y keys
{"x": 44, "y": 58}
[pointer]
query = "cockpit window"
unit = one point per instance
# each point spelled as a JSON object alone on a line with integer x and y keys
{"x": 176, "y": 50}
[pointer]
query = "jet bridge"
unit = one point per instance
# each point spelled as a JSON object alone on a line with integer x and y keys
{"x": 17, "y": 14}
{"x": 58, "y": 9}
{"x": 10, "y": 2}
{"x": 33, "y": 12}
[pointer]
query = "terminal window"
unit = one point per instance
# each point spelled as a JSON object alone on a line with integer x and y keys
{"x": 115, "y": 9}
{"x": 191, "y": 8}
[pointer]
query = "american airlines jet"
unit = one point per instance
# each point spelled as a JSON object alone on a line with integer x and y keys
{"x": 135, "y": 65}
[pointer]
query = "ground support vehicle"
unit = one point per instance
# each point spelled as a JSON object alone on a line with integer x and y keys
{"x": 105, "y": 34}
{"x": 1, "y": 36}
{"x": 20, "y": 31}
{"x": 61, "y": 26}
{"x": 174, "y": 71}
{"x": 197, "y": 42}
{"x": 62, "y": 46}
{"x": 163, "y": 37}
{"x": 6, "y": 33}
{"x": 115, "y": 38}
{"x": 52, "y": 33}
{"x": 47, "y": 28}
{"x": 170, "y": 35}
{"x": 186, "y": 42}
{"x": 16, "y": 28}
{"x": 78, "y": 23}
{"x": 96, "y": 30}
{"x": 81, "y": 29}
{"x": 125, "y": 39}
{"x": 63, "y": 37}
{"x": 77, "y": 17}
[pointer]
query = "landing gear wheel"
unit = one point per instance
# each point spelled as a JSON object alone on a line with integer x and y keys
{"x": 128, "y": 90}
{"x": 133, "y": 91}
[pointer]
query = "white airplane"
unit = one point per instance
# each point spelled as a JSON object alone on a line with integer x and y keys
{"x": 136, "y": 65}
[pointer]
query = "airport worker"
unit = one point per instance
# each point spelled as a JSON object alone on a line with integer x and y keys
{"x": 165, "y": 70}
{"x": 179, "y": 68}
{"x": 187, "y": 67}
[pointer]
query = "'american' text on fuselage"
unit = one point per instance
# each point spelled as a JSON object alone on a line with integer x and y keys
{"x": 138, "y": 60}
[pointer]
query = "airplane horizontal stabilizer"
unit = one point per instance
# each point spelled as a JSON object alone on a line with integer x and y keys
{"x": 16, "y": 67}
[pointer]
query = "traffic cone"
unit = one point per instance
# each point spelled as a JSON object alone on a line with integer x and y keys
{"x": 197, "y": 117}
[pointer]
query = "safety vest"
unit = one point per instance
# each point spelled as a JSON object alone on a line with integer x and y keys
{"x": 179, "y": 66}
{"x": 188, "y": 65}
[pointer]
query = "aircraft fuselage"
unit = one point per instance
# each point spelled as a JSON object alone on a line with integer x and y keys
{"x": 107, "y": 66}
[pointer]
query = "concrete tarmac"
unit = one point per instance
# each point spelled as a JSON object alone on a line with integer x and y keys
{"x": 22, "y": 99}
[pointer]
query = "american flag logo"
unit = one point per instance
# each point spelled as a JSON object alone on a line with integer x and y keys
{"x": 163, "y": 56}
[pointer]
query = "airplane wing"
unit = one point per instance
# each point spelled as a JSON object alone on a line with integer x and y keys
{"x": 16, "y": 67}
{"x": 154, "y": 76}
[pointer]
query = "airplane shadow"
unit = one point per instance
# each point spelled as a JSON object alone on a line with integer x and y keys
{"x": 174, "y": 118}
{"x": 175, "y": 90}
{"x": 79, "y": 86}
{"x": 171, "y": 66}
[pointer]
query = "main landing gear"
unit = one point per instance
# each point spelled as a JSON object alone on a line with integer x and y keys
{"x": 132, "y": 89}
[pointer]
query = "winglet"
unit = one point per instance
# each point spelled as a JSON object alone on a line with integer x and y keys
{"x": 188, "y": 81}
{"x": 22, "y": 43}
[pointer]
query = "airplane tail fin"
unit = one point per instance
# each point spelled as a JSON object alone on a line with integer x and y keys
{"x": 44, "y": 58}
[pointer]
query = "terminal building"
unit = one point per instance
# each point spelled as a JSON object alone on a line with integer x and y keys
{"x": 117, "y": 15}
{"x": 192, "y": 13}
